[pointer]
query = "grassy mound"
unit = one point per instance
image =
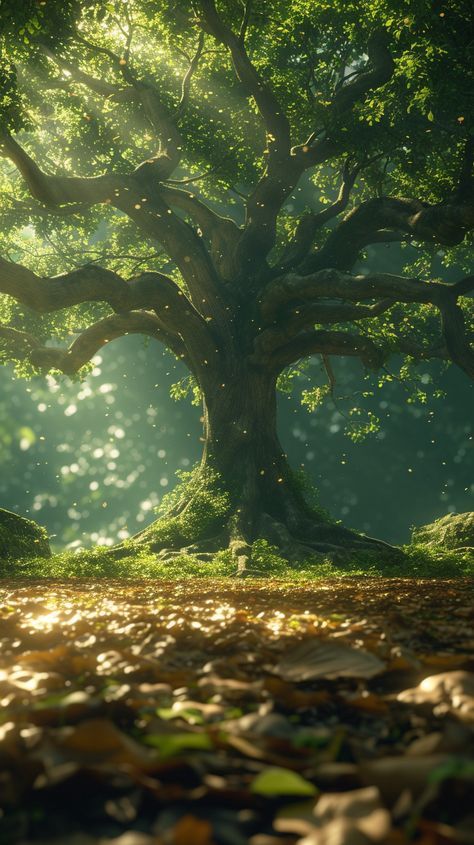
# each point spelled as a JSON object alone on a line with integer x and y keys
{"x": 454, "y": 532}
{"x": 21, "y": 538}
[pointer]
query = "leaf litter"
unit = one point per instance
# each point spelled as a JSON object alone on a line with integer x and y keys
{"x": 246, "y": 713}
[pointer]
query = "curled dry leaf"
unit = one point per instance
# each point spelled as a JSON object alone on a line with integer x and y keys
{"x": 312, "y": 659}
{"x": 342, "y": 818}
{"x": 456, "y": 689}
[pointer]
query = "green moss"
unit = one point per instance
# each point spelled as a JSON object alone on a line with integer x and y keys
{"x": 21, "y": 538}
{"x": 206, "y": 505}
{"x": 267, "y": 562}
{"x": 452, "y": 532}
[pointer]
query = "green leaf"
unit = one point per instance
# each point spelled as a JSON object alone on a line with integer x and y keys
{"x": 276, "y": 781}
{"x": 170, "y": 745}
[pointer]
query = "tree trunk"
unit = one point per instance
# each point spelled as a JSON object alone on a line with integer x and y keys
{"x": 243, "y": 457}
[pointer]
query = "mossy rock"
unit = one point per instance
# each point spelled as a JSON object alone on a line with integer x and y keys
{"x": 454, "y": 531}
{"x": 21, "y": 538}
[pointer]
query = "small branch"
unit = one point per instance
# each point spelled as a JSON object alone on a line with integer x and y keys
{"x": 310, "y": 224}
{"x": 186, "y": 84}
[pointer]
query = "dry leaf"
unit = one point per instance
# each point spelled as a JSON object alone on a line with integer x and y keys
{"x": 313, "y": 659}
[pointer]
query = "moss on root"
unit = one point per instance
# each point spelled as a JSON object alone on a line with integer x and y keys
{"x": 267, "y": 562}
{"x": 193, "y": 538}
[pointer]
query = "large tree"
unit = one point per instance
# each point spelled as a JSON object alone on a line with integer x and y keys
{"x": 209, "y": 174}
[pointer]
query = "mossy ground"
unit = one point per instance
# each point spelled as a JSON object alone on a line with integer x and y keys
{"x": 198, "y": 510}
{"x": 417, "y": 562}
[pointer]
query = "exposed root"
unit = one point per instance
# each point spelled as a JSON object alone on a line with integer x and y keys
{"x": 308, "y": 540}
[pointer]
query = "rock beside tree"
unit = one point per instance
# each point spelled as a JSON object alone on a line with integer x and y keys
{"x": 454, "y": 531}
{"x": 21, "y": 538}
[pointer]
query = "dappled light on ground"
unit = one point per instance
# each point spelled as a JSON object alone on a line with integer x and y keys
{"x": 220, "y": 713}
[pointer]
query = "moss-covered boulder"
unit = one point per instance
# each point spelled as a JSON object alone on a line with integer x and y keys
{"x": 454, "y": 531}
{"x": 21, "y": 538}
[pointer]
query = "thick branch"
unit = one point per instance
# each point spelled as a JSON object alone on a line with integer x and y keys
{"x": 374, "y": 219}
{"x": 454, "y": 332}
{"x": 138, "y": 196}
{"x": 275, "y": 120}
{"x": 147, "y": 208}
{"x": 24, "y": 346}
{"x": 333, "y": 284}
{"x": 87, "y": 284}
{"x": 282, "y": 172}
{"x": 322, "y": 313}
{"x": 59, "y": 190}
{"x": 163, "y": 123}
{"x": 176, "y": 316}
{"x": 379, "y": 71}
{"x": 327, "y": 343}
{"x": 222, "y": 232}
{"x": 296, "y": 251}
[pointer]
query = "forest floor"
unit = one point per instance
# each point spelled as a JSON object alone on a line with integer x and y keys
{"x": 237, "y": 713}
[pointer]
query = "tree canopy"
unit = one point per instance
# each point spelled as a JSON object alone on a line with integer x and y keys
{"x": 211, "y": 174}
{"x": 356, "y": 104}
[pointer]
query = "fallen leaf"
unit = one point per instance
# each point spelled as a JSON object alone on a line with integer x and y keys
{"x": 275, "y": 781}
{"x": 312, "y": 659}
{"x": 192, "y": 831}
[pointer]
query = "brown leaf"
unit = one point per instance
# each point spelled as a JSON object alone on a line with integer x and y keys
{"x": 342, "y": 818}
{"x": 392, "y": 775}
{"x": 456, "y": 689}
{"x": 98, "y": 740}
{"x": 312, "y": 659}
{"x": 192, "y": 831}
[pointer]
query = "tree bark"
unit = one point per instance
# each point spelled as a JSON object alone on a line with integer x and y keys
{"x": 243, "y": 453}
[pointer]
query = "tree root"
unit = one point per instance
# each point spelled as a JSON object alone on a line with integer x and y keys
{"x": 305, "y": 541}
